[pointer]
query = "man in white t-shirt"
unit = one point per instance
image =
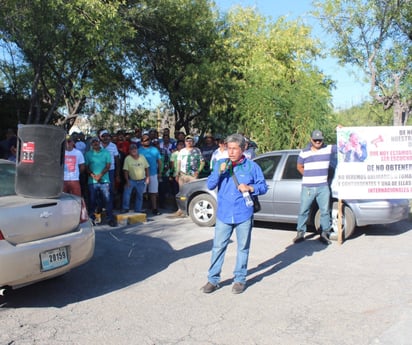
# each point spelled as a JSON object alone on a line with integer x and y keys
{"x": 73, "y": 166}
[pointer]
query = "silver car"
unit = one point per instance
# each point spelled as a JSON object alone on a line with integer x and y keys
{"x": 40, "y": 238}
{"x": 281, "y": 203}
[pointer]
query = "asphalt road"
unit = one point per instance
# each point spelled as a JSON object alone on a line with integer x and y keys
{"x": 143, "y": 287}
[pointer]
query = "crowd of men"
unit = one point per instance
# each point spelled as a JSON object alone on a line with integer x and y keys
{"x": 121, "y": 170}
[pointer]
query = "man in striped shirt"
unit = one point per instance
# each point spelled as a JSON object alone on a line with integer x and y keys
{"x": 313, "y": 163}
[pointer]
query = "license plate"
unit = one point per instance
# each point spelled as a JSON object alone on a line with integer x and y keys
{"x": 54, "y": 258}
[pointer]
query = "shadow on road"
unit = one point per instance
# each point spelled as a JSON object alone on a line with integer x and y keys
{"x": 393, "y": 229}
{"x": 295, "y": 252}
{"x": 121, "y": 258}
{"x": 383, "y": 230}
{"x": 291, "y": 254}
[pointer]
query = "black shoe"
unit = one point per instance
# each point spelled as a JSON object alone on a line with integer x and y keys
{"x": 112, "y": 223}
{"x": 209, "y": 287}
{"x": 300, "y": 237}
{"x": 156, "y": 212}
{"x": 324, "y": 238}
{"x": 124, "y": 211}
{"x": 238, "y": 288}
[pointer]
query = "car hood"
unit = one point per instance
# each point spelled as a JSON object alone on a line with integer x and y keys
{"x": 27, "y": 219}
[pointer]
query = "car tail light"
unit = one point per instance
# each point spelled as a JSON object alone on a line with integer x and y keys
{"x": 1, "y": 236}
{"x": 84, "y": 216}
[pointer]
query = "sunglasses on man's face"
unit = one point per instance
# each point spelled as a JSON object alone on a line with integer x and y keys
{"x": 317, "y": 140}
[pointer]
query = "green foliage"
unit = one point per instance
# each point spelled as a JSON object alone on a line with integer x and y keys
{"x": 241, "y": 72}
{"x": 12, "y": 110}
{"x": 67, "y": 53}
{"x": 280, "y": 95}
{"x": 176, "y": 51}
{"x": 365, "y": 114}
{"x": 376, "y": 37}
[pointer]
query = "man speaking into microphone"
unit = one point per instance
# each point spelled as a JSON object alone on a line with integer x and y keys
{"x": 236, "y": 178}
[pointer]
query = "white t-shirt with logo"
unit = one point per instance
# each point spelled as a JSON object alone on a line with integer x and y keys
{"x": 72, "y": 159}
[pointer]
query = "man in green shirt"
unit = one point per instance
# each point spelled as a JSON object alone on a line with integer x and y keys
{"x": 97, "y": 161}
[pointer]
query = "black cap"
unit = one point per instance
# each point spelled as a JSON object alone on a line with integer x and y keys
{"x": 317, "y": 135}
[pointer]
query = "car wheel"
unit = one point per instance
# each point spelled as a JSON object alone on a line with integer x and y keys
{"x": 348, "y": 220}
{"x": 202, "y": 210}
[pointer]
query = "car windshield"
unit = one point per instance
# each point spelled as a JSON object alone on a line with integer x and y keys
{"x": 7, "y": 177}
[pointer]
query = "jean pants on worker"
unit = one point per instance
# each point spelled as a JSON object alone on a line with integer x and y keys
{"x": 139, "y": 186}
{"x": 102, "y": 189}
{"x": 112, "y": 178}
{"x": 223, "y": 233}
{"x": 322, "y": 196}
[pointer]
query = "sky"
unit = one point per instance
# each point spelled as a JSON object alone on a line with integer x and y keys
{"x": 348, "y": 90}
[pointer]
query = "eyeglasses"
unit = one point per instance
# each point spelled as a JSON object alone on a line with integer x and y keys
{"x": 317, "y": 140}
{"x": 144, "y": 140}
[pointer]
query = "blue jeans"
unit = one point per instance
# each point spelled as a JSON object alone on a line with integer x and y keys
{"x": 322, "y": 196}
{"x": 112, "y": 185}
{"x": 99, "y": 201}
{"x": 104, "y": 190}
{"x": 223, "y": 232}
{"x": 139, "y": 186}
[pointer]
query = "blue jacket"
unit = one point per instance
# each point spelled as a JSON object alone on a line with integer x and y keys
{"x": 231, "y": 207}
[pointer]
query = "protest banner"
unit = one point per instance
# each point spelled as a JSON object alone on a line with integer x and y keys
{"x": 374, "y": 163}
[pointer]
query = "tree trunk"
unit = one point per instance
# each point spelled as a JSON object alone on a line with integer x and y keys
{"x": 397, "y": 113}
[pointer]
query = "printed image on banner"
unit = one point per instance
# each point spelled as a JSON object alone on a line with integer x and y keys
{"x": 374, "y": 163}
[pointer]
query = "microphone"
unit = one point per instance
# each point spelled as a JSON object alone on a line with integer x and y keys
{"x": 225, "y": 166}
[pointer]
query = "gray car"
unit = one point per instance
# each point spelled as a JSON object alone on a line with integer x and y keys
{"x": 281, "y": 203}
{"x": 40, "y": 238}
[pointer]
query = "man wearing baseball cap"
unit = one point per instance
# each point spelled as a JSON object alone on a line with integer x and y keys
{"x": 97, "y": 163}
{"x": 313, "y": 163}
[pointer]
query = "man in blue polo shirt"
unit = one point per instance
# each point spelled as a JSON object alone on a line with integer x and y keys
{"x": 313, "y": 163}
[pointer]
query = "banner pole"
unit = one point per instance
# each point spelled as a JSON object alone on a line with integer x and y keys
{"x": 340, "y": 233}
